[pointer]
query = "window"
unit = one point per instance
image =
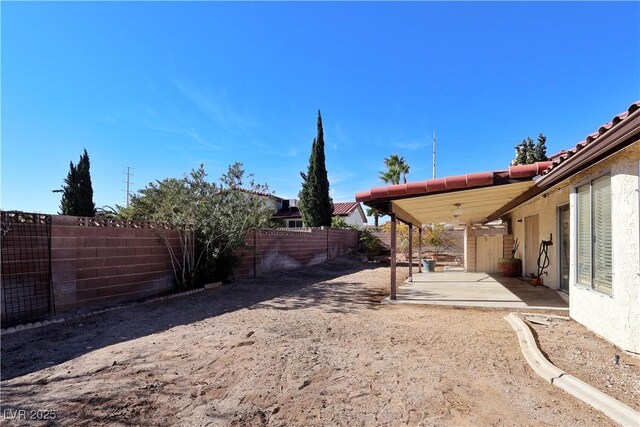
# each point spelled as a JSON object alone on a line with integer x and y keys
{"x": 593, "y": 227}
{"x": 295, "y": 224}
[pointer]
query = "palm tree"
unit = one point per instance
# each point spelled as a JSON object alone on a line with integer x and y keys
{"x": 376, "y": 214}
{"x": 397, "y": 168}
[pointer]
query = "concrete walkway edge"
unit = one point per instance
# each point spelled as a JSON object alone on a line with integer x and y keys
{"x": 614, "y": 409}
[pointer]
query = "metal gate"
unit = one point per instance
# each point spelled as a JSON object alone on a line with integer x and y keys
{"x": 25, "y": 274}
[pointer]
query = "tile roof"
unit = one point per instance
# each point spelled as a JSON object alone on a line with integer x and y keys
{"x": 459, "y": 182}
{"x": 591, "y": 140}
{"x": 260, "y": 193}
{"x": 344, "y": 208}
{"x": 339, "y": 209}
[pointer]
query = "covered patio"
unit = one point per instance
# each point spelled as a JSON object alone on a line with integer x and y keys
{"x": 458, "y": 288}
{"x": 470, "y": 200}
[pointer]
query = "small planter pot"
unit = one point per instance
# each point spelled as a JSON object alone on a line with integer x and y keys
{"x": 428, "y": 265}
{"x": 510, "y": 267}
{"x": 535, "y": 281}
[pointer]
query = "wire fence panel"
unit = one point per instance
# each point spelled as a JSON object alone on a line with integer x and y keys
{"x": 25, "y": 274}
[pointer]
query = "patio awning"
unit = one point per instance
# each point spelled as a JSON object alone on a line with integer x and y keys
{"x": 463, "y": 199}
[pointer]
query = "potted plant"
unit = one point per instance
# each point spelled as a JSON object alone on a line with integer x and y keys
{"x": 511, "y": 267}
{"x": 536, "y": 280}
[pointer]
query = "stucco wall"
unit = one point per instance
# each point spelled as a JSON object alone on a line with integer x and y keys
{"x": 546, "y": 207}
{"x": 615, "y": 317}
{"x": 356, "y": 218}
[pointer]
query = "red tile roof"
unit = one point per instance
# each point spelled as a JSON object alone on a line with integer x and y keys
{"x": 260, "y": 193}
{"x": 459, "y": 182}
{"x": 591, "y": 140}
{"x": 344, "y": 208}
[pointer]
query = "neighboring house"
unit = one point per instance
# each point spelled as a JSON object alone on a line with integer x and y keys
{"x": 288, "y": 211}
{"x": 351, "y": 212}
{"x": 270, "y": 199}
{"x": 585, "y": 201}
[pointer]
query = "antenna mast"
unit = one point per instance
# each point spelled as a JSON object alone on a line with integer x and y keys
{"x": 127, "y": 181}
{"x": 434, "y": 154}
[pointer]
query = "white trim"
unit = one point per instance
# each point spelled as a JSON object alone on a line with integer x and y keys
{"x": 559, "y": 239}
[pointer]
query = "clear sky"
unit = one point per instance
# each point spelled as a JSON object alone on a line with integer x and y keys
{"x": 163, "y": 87}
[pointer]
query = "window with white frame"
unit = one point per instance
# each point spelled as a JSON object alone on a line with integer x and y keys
{"x": 593, "y": 226}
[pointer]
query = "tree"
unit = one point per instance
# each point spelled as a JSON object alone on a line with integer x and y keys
{"x": 211, "y": 220}
{"x": 527, "y": 152}
{"x": 86, "y": 206}
{"x": 397, "y": 169}
{"x": 69, "y": 201}
{"x": 434, "y": 238}
{"x": 521, "y": 154}
{"x": 376, "y": 214}
{"x": 315, "y": 204}
{"x": 540, "y": 150}
{"x": 371, "y": 243}
{"x": 77, "y": 191}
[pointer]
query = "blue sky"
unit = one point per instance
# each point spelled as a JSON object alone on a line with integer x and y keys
{"x": 163, "y": 87}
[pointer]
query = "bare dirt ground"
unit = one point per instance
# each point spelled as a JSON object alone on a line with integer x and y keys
{"x": 309, "y": 347}
{"x": 580, "y": 352}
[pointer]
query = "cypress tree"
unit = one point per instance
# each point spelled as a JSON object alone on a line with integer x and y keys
{"x": 69, "y": 202}
{"x": 86, "y": 207}
{"x": 315, "y": 204}
{"x": 77, "y": 191}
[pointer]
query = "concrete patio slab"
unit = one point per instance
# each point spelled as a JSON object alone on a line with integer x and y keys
{"x": 476, "y": 290}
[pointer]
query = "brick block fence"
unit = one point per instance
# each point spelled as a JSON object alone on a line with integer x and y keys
{"x": 284, "y": 249}
{"x": 95, "y": 261}
{"x": 105, "y": 262}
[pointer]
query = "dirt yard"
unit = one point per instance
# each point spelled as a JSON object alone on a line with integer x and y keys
{"x": 573, "y": 348}
{"x": 310, "y": 347}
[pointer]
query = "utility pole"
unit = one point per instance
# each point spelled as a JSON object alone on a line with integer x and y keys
{"x": 434, "y": 154}
{"x": 127, "y": 181}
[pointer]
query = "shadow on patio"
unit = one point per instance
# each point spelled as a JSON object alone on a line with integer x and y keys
{"x": 477, "y": 290}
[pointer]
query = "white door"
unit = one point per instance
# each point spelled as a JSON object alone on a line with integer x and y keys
{"x": 531, "y": 245}
{"x": 488, "y": 250}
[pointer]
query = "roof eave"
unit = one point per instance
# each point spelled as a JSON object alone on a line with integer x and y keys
{"x": 611, "y": 141}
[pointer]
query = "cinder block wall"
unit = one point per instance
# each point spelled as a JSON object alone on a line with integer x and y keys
{"x": 289, "y": 249}
{"x": 98, "y": 262}
{"x": 97, "y": 265}
{"x": 469, "y": 250}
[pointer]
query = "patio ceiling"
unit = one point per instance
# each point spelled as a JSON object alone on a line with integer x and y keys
{"x": 472, "y": 206}
{"x": 472, "y": 198}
